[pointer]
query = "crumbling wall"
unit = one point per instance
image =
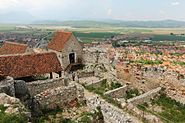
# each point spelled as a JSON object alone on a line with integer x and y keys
{"x": 95, "y": 55}
{"x": 7, "y": 87}
{"x": 59, "y": 97}
{"x": 85, "y": 74}
{"x": 118, "y": 92}
{"x": 144, "y": 97}
{"x": 111, "y": 113}
{"x": 97, "y": 83}
{"x": 42, "y": 85}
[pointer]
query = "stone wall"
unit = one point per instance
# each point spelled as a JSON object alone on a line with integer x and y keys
{"x": 37, "y": 87}
{"x": 97, "y": 83}
{"x": 71, "y": 46}
{"x": 7, "y": 87}
{"x": 85, "y": 74}
{"x": 63, "y": 97}
{"x": 111, "y": 113}
{"x": 95, "y": 55}
{"x": 144, "y": 97}
{"x": 118, "y": 92}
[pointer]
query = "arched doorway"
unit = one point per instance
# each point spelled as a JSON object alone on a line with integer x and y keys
{"x": 72, "y": 58}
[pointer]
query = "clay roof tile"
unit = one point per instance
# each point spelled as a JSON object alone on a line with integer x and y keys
{"x": 59, "y": 40}
{"x": 12, "y": 48}
{"x": 25, "y": 65}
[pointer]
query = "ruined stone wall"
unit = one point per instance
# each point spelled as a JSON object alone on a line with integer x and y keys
{"x": 95, "y": 55}
{"x": 174, "y": 87}
{"x": 7, "y": 86}
{"x": 111, "y": 113}
{"x": 42, "y": 85}
{"x": 117, "y": 93}
{"x": 144, "y": 97}
{"x": 89, "y": 57}
{"x": 97, "y": 83}
{"x": 59, "y": 97}
{"x": 85, "y": 74}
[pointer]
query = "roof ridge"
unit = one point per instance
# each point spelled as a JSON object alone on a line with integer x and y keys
{"x": 9, "y": 42}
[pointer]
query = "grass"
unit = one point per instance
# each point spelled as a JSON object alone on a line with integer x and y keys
{"x": 93, "y": 36}
{"x": 132, "y": 93}
{"x": 149, "y": 62}
{"x": 168, "y": 38}
{"x": 179, "y": 63}
{"x": 46, "y": 113}
{"x": 85, "y": 117}
{"x": 7, "y": 27}
{"x": 102, "y": 89}
{"x": 11, "y": 118}
{"x": 172, "y": 111}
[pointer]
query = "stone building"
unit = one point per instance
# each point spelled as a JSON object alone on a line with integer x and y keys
{"x": 13, "y": 48}
{"x": 67, "y": 48}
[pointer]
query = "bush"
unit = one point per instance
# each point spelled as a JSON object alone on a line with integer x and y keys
{"x": 115, "y": 85}
{"x": 132, "y": 93}
{"x": 11, "y": 118}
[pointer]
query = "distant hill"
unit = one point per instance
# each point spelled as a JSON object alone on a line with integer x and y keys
{"x": 16, "y": 17}
{"x": 116, "y": 23}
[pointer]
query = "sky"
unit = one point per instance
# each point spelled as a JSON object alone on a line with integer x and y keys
{"x": 92, "y": 9}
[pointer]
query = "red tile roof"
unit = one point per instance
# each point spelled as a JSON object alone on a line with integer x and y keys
{"x": 13, "y": 48}
{"x": 25, "y": 65}
{"x": 59, "y": 40}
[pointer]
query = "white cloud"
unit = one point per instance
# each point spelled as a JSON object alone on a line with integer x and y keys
{"x": 109, "y": 12}
{"x": 5, "y": 4}
{"x": 31, "y": 4}
{"x": 175, "y": 3}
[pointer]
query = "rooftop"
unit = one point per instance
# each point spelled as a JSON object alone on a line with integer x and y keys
{"x": 59, "y": 40}
{"x": 25, "y": 65}
{"x": 12, "y": 48}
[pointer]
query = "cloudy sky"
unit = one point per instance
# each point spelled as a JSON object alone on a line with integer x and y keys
{"x": 93, "y": 9}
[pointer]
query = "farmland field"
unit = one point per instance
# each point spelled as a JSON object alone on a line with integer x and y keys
{"x": 99, "y": 33}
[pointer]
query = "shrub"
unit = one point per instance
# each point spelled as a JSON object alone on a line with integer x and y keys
{"x": 132, "y": 93}
{"x": 115, "y": 85}
{"x": 11, "y": 118}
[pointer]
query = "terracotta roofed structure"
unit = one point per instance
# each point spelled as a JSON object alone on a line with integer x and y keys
{"x": 13, "y": 48}
{"x": 25, "y": 65}
{"x": 67, "y": 48}
{"x": 59, "y": 40}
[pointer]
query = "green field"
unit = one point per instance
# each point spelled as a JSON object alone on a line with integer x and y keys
{"x": 168, "y": 38}
{"x": 7, "y": 27}
{"x": 99, "y": 33}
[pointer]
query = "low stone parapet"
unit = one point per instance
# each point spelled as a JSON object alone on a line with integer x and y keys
{"x": 118, "y": 92}
{"x": 37, "y": 87}
{"x": 59, "y": 97}
{"x": 96, "y": 83}
{"x": 144, "y": 97}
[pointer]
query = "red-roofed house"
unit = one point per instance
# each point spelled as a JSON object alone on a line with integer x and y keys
{"x": 25, "y": 65}
{"x": 13, "y": 48}
{"x": 67, "y": 47}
